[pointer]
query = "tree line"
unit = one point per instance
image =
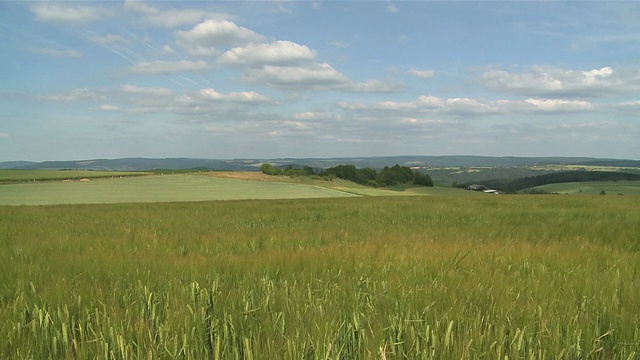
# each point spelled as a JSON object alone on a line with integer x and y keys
{"x": 513, "y": 186}
{"x": 388, "y": 176}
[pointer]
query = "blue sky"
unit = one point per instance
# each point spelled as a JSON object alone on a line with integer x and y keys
{"x": 84, "y": 80}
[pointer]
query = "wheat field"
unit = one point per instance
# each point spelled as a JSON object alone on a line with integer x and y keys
{"x": 488, "y": 277}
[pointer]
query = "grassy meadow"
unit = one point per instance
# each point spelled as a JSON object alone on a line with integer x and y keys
{"x": 19, "y": 176}
{"x": 594, "y": 188}
{"x": 156, "y": 188}
{"x": 422, "y": 277}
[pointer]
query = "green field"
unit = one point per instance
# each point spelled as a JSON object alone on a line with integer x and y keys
{"x": 591, "y": 188}
{"x": 192, "y": 187}
{"x": 422, "y": 277}
{"x": 15, "y": 176}
{"x": 156, "y": 188}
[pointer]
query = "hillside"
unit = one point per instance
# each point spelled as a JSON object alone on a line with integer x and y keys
{"x": 374, "y": 162}
{"x": 557, "y": 177}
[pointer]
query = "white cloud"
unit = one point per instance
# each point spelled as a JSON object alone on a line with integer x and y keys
{"x": 243, "y": 96}
{"x": 374, "y": 85}
{"x": 211, "y": 33}
{"x": 109, "y": 107}
{"x": 276, "y": 53}
{"x": 391, "y": 8}
{"x": 312, "y": 115}
{"x": 422, "y": 74}
{"x": 465, "y": 107}
{"x": 559, "y": 104}
{"x": 430, "y": 101}
{"x": 549, "y": 81}
{"x": 149, "y": 91}
{"x": 168, "y": 50}
{"x": 314, "y": 75}
{"x": 56, "y": 12}
{"x": 4, "y": 135}
{"x": 168, "y": 67}
{"x": 170, "y": 17}
{"x": 75, "y": 95}
{"x": 69, "y": 54}
{"x": 339, "y": 44}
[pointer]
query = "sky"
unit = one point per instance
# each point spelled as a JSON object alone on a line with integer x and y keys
{"x": 313, "y": 79}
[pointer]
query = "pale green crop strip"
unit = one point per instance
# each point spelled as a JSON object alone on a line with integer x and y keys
{"x": 157, "y": 188}
{"x": 490, "y": 277}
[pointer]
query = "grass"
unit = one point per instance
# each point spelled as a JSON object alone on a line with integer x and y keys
{"x": 594, "y": 188}
{"x": 18, "y": 176}
{"x": 443, "y": 277}
{"x": 157, "y": 188}
{"x": 194, "y": 187}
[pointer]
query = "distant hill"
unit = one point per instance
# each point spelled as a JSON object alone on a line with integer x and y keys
{"x": 378, "y": 162}
{"x": 14, "y": 164}
{"x": 375, "y": 162}
{"x": 611, "y": 162}
{"x": 131, "y": 164}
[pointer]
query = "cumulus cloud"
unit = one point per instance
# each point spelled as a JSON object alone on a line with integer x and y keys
{"x": 109, "y": 107}
{"x": 559, "y": 104}
{"x": 168, "y": 17}
{"x": 57, "y": 53}
{"x": 466, "y": 107}
{"x": 243, "y": 96}
{"x": 195, "y": 104}
{"x": 288, "y": 65}
{"x": 312, "y": 115}
{"x": 149, "y": 91}
{"x": 549, "y": 81}
{"x": 374, "y": 85}
{"x": 205, "y": 37}
{"x": 313, "y": 75}
{"x": 68, "y": 12}
{"x": 422, "y": 74}
{"x": 276, "y": 53}
{"x": 168, "y": 67}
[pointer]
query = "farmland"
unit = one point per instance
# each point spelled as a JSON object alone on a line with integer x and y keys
{"x": 18, "y": 176}
{"x": 155, "y": 188}
{"x": 594, "y": 187}
{"x": 329, "y": 278}
{"x": 189, "y": 187}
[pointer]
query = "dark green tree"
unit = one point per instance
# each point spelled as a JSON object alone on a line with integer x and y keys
{"x": 270, "y": 169}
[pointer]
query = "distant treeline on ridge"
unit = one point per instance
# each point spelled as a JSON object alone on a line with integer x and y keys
{"x": 388, "y": 176}
{"x": 559, "y": 177}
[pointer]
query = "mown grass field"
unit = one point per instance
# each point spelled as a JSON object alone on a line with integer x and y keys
{"x": 156, "y": 188}
{"x": 440, "y": 277}
{"x": 594, "y": 188}
{"x": 19, "y": 176}
{"x": 192, "y": 187}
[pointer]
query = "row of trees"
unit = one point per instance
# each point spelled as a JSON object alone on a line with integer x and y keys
{"x": 512, "y": 186}
{"x": 388, "y": 176}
